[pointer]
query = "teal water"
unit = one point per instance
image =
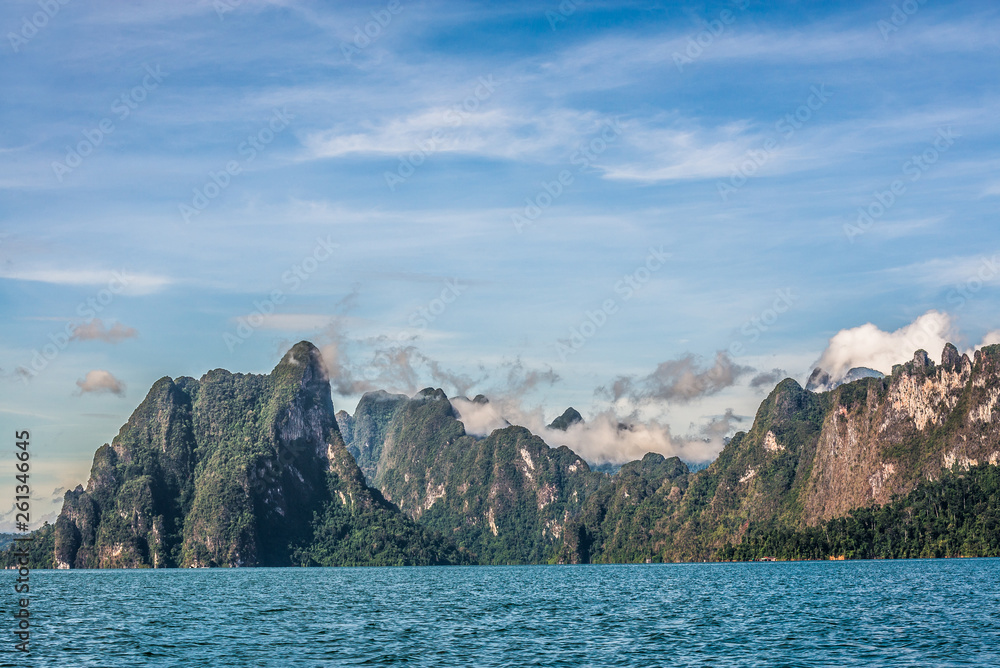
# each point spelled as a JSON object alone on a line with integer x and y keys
{"x": 885, "y": 613}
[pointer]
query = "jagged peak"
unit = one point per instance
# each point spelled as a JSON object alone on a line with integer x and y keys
{"x": 569, "y": 417}
{"x": 987, "y": 352}
{"x": 950, "y": 356}
{"x": 820, "y": 380}
{"x": 381, "y": 395}
{"x": 303, "y": 363}
{"x": 430, "y": 394}
{"x": 303, "y": 353}
{"x": 787, "y": 385}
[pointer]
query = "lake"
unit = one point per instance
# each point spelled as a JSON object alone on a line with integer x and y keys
{"x": 870, "y": 613}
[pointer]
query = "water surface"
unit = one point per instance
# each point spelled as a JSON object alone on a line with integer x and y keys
{"x": 873, "y": 613}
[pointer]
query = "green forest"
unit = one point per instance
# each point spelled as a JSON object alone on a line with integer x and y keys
{"x": 957, "y": 515}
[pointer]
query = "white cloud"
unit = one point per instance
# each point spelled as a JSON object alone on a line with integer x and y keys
{"x": 602, "y": 439}
{"x": 479, "y": 419}
{"x": 119, "y": 282}
{"x": 678, "y": 380}
{"x": 989, "y": 339}
{"x": 507, "y": 132}
{"x": 869, "y": 346}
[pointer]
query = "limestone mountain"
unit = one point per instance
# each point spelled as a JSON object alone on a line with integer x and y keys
{"x": 364, "y": 432}
{"x": 570, "y": 417}
{"x": 505, "y": 497}
{"x": 236, "y": 470}
{"x": 820, "y": 381}
{"x": 812, "y": 457}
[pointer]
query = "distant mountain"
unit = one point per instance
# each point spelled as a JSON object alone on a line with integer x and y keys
{"x": 364, "y": 432}
{"x": 569, "y": 418}
{"x": 820, "y": 381}
{"x": 236, "y": 470}
{"x": 504, "y": 498}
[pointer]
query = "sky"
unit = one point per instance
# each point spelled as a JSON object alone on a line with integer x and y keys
{"x": 652, "y": 212}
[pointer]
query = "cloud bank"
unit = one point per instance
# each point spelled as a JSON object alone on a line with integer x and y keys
{"x": 681, "y": 380}
{"x": 602, "y": 439}
{"x": 869, "y": 346}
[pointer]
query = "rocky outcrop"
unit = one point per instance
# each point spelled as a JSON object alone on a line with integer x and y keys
{"x": 570, "y": 417}
{"x": 506, "y": 497}
{"x": 881, "y": 438}
{"x": 364, "y": 432}
{"x": 810, "y": 457}
{"x": 233, "y": 470}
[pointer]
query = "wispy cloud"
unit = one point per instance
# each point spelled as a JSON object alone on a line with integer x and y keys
{"x": 125, "y": 282}
{"x": 679, "y": 380}
{"x": 95, "y": 330}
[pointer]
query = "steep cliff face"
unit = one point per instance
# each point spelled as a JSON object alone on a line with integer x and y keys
{"x": 364, "y": 432}
{"x": 618, "y": 522}
{"x": 237, "y": 469}
{"x": 759, "y": 476}
{"x": 234, "y": 470}
{"x": 810, "y": 457}
{"x": 131, "y": 512}
{"x": 882, "y": 437}
{"x": 506, "y": 497}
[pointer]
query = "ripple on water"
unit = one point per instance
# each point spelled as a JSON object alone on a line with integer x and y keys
{"x": 886, "y": 613}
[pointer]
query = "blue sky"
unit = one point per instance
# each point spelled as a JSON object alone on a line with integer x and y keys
{"x": 554, "y": 204}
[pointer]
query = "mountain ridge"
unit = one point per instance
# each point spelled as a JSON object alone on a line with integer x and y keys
{"x": 244, "y": 469}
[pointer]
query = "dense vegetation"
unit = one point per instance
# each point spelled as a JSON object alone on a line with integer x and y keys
{"x": 619, "y": 520}
{"x": 504, "y": 497}
{"x": 364, "y": 432}
{"x": 957, "y": 515}
{"x": 235, "y": 469}
{"x": 40, "y": 549}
